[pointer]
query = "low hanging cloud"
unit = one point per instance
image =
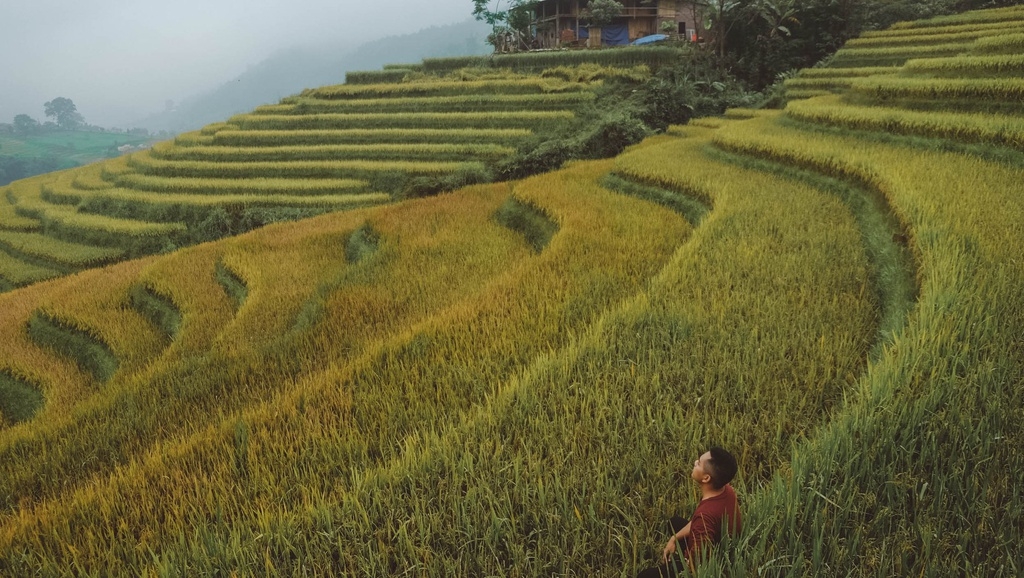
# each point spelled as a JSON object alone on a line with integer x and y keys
{"x": 120, "y": 60}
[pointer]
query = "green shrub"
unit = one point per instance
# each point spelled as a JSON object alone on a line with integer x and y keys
{"x": 546, "y": 156}
{"x": 469, "y": 174}
{"x": 662, "y": 102}
{"x": 217, "y": 224}
{"x": 612, "y": 133}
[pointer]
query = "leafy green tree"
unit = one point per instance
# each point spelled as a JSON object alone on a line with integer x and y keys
{"x": 514, "y": 19}
{"x": 482, "y": 11}
{"x": 603, "y": 12}
{"x": 719, "y": 18}
{"x": 25, "y": 125}
{"x": 776, "y": 15}
{"x": 64, "y": 113}
{"x": 517, "y": 14}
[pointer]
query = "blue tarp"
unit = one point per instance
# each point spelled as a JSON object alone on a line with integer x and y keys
{"x": 611, "y": 35}
{"x": 615, "y": 35}
{"x": 650, "y": 39}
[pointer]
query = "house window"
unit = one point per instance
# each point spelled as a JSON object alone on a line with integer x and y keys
{"x": 682, "y": 28}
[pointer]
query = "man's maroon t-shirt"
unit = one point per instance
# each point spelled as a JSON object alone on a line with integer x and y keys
{"x": 712, "y": 516}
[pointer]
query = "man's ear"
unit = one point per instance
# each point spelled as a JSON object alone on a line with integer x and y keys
{"x": 706, "y": 479}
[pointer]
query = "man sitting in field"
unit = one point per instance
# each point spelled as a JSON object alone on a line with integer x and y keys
{"x": 716, "y": 514}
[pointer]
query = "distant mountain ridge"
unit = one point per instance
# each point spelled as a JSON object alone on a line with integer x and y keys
{"x": 291, "y": 70}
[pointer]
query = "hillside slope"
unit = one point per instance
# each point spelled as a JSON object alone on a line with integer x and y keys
{"x": 404, "y": 131}
{"x": 511, "y": 379}
{"x": 328, "y": 149}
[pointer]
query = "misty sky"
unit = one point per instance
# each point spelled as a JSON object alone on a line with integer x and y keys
{"x": 120, "y": 60}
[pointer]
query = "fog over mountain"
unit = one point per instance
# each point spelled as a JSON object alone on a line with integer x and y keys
{"x": 291, "y": 70}
{"x": 121, "y": 61}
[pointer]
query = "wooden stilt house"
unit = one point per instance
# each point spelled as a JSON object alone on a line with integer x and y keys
{"x": 562, "y": 23}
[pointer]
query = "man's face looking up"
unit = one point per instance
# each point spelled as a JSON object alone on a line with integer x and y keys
{"x": 700, "y": 473}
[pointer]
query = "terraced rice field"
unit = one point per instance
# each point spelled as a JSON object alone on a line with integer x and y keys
{"x": 329, "y": 149}
{"x": 513, "y": 378}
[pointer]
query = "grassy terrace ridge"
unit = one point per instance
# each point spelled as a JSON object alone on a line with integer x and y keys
{"x": 159, "y": 309}
{"x": 651, "y": 56}
{"x": 85, "y": 223}
{"x": 895, "y": 50}
{"x": 234, "y": 137}
{"x": 16, "y": 272}
{"x": 951, "y": 89}
{"x": 442, "y": 88}
{"x": 1007, "y": 15}
{"x": 1010, "y": 65}
{"x": 300, "y": 169}
{"x": 923, "y": 40}
{"x": 1000, "y": 26}
{"x": 211, "y": 187}
{"x": 824, "y": 83}
{"x": 894, "y": 55}
{"x": 38, "y": 248}
{"x": 464, "y": 102}
{"x": 91, "y": 354}
{"x": 90, "y": 178}
{"x": 10, "y": 220}
{"x": 847, "y": 72}
{"x": 998, "y": 130}
{"x": 233, "y": 286}
{"x": 262, "y": 196}
{"x": 1003, "y": 44}
{"x": 19, "y": 401}
{"x": 504, "y": 119}
{"x": 413, "y": 151}
{"x": 509, "y": 379}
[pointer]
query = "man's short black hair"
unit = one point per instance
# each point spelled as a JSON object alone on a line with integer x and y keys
{"x": 722, "y": 467}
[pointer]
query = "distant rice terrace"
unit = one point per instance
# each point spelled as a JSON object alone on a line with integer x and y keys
{"x": 328, "y": 149}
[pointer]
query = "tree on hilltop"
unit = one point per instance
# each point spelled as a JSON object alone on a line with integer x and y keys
{"x": 64, "y": 113}
{"x": 25, "y": 125}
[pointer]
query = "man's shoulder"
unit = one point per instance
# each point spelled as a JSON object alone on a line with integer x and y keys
{"x": 719, "y": 505}
{"x": 712, "y": 512}
{"x": 726, "y": 495}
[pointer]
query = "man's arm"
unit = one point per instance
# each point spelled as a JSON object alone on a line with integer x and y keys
{"x": 670, "y": 548}
{"x": 704, "y": 532}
